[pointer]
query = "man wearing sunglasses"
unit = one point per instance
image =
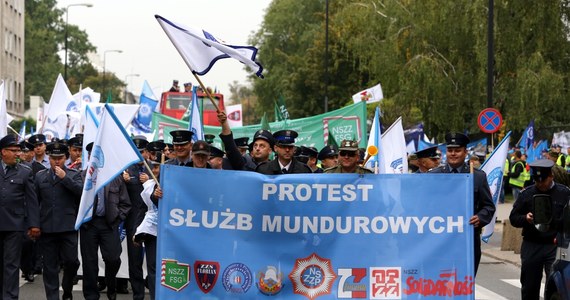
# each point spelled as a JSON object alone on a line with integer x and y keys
{"x": 348, "y": 157}
{"x": 538, "y": 249}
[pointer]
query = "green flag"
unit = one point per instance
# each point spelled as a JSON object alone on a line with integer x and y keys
{"x": 281, "y": 113}
{"x": 265, "y": 123}
{"x": 331, "y": 141}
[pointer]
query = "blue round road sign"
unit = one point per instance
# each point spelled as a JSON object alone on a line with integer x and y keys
{"x": 490, "y": 120}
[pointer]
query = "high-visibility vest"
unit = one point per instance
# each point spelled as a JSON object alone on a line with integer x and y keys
{"x": 523, "y": 176}
{"x": 559, "y": 160}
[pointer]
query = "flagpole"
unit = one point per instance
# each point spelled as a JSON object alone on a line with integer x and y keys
{"x": 151, "y": 174}
{"x": 206, "y": 90}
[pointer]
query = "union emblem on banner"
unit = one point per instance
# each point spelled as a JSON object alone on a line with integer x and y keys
{"x": 174, "y": 275}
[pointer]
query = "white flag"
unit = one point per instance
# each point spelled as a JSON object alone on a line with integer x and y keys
{"x": 195, "y": 124}
{"x": 235, "y": 115}
{"x": 61, "y": 100}
{"x": 371, "y": 95}
{"x": 3, "y": 111}
{"x": 87, "y": 96}
{"x": 375, "y": 140}
{"x": 113, "y": 151}
{"x": 394, "y": 154}
{"x": 200, "y": 49}
{"x": 494, "y": 166}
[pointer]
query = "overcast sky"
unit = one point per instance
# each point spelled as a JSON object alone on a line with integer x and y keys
{"x": 130, "y": 26}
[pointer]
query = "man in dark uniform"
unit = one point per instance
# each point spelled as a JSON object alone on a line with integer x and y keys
{"x": 19, "y": 212}
{"x": 134, "y": 177}
{"x": 483, "y": 205}
{"x": 285, "y": 162}
{"x": 242, "y": 144}
{"x": 200, "y": 155}
{"x": 59, "y": 193}
{"x": 328, "y": 156}
{"x": 216, "y": 158}
{"x": 349, "y": 156}
{"x": 110, "y": 208}
{"x": 311, "y": 153}
{"x": 182, "y": 143}
{"x": 175, "y": 87}
{"x": 428, "y": 159}
{"x": 39, "y": 142}
{"x": 75, "y": 145}
{"x": 263, "y": 143}
{"x": 538, "y": 250}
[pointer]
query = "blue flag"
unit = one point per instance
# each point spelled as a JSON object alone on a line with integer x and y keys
{"x": 143, "y": 120}
{"x": 195, "y": 124}
{"x": 527, "y": 138}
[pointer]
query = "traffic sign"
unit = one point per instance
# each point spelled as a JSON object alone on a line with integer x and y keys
{"x": 490, "y": 120}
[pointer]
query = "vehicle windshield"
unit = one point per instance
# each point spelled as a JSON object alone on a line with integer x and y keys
{"x": 183, "y": 101}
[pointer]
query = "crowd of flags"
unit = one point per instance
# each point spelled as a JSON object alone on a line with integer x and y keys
{"x": 110, "y": 126}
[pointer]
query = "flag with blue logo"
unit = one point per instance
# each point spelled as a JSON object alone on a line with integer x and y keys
{"x": 200, "y": 49}
{"x": 144, "y": 115}
{"x": 113, "y": 151}
{"x": 527, "y": 138}
{"x": 375, "y": 140}
{"x": 195, "y": 124}
{"x": 394, "y": 154}
{"x": 494, "y": 167}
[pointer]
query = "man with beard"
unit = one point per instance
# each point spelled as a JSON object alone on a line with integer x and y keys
{"x": 285, "y": 162}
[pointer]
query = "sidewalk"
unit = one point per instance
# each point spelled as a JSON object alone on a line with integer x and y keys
{"x": 493, "y": 248}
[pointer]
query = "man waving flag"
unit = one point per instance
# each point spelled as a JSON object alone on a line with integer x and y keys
{"x": 200, "y": 49}
{"x": 113, "y": 151}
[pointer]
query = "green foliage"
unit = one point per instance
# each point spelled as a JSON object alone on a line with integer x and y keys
{"x": 430, "y": 57}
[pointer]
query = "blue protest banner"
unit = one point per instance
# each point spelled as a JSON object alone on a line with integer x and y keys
{"x": 243, "y": 235}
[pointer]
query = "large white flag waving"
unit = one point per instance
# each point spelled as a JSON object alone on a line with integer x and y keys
{"x": 113, "y": 151}
{"x": 3, "y": 111}
{"x": 200, "y": 49}
{"x": 394, "y": 154}
{"x": 494, "y": 166}
{"x": 371, "y": 95}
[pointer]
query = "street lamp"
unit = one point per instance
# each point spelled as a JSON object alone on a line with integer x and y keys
{"x": 104, "y": 63}
{"x": 126, "y": 77}
{"x": 66, "y": 21}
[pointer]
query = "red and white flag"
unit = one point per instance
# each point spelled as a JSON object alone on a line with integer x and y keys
{"x": 235, "y": 115}
{"x": 371, "y": 95}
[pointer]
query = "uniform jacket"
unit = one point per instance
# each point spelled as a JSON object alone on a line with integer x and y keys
{"x": 272, "y": 168}
{"x": 234, "y": 160}
{"x": 117, "y": 202}
{"x": 483, "y": 205}
{"x": 18, "y": 200}
{"x": 59, "y": 199}
{"x": 524, "y": 204}
{"x": 338, "y": 170}
{"x": 176, "y": 162}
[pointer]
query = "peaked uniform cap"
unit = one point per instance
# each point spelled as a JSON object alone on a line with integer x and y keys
{"x": 285, "y": 137}
{"x": 56, "y": 148}
{"x": 456, "y": 139}
{"x": 37, "y": 139}
{"x": 264, "y": 135}
{"x": 328, "y": 151}
{"x": 348, "y": 145}
{"x": 181, "y": 137}
{"x": 430, "y": 152}
{"x": 242, "y": 142}
{"x": 201, "y": 147}
{"x": 9, "y": 140}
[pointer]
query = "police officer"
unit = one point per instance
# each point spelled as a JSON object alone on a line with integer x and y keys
{"x": 311, "y": 153}
{"x": 328, "y": 156}
{"x": 216, "y": 158}
{"x": 39, "y": 142}
{"x": 348, "y": 159}
{"x": 19, "y": 212}
{"x": 428, "y": 159}
{"x": 285, "y": 162}
{"x": 110, "y": 208}
{"x": 182, "y": 143}
{"x": 59, "y": 193}
{"x": 538, "y": 250}
{"x": 134, "y": 177}
{"x": 484, "y": 207}
{"x": 242, "y": 144}
{"x": 200, "y": 155}
{"x": 262, "y": 146}
{"x": 75, "y": 145}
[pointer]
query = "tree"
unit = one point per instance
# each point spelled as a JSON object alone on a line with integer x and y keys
{"x": 45, "y": 37}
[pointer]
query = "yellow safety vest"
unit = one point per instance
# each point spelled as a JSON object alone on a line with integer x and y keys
{"x": 523, "y": 176}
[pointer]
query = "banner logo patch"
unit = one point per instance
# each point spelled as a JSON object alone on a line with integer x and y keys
{"x": 174, "y": 275}
{"x": 270, "y": 281}
{"x": 312, "y": 276}
{"x": 206, "y": 274}
{"x": 237, "y": 278}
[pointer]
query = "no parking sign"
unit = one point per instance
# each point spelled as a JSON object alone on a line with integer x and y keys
{"x": 490, "y": 120}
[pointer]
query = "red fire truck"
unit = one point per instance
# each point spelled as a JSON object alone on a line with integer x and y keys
{"x": 175, "y": 104}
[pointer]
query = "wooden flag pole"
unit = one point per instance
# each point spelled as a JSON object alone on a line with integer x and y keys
{"x": 151, "y": 174}
{"x": 207, "y": 92}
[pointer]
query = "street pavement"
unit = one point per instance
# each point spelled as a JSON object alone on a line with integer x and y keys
{"x": 493, "y": 248}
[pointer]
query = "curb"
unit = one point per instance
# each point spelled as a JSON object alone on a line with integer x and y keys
{"x": 502, "y": 258}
